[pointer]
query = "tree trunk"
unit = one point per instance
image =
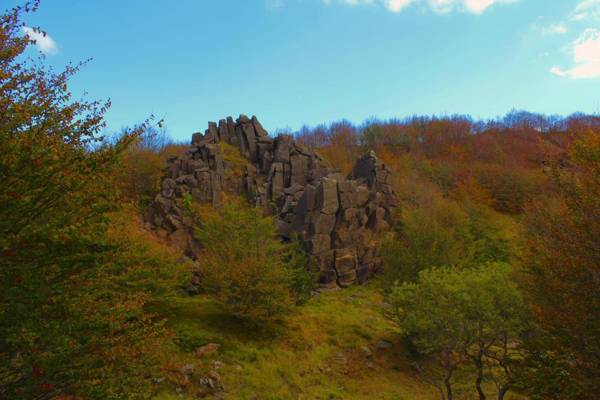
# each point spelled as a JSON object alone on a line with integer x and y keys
{"x": 502, "y": 392}
{"x": 479, "y": 381}
{"x": 442, "y": 393}
{"x": 448, "y": 385}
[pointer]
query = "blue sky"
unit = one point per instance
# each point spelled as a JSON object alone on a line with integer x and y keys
{"x": 294, "y": 62}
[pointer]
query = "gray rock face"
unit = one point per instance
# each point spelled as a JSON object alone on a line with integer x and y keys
{"x": 336, "y": 219}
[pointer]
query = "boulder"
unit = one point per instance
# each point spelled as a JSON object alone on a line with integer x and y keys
{"x": 327, "y": 196}
{"x": 168, "y": 187}
{"x": 250, "y": 140}
{"x": 223, "y": 131}
{"x": 212, "y": 133}
{"x": 318, "y": 244}
{"x": 258, "y": 128}
{"x": 322, "y": 223}
{"x": 208, "y": 349}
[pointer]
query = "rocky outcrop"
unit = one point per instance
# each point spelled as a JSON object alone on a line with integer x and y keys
{"x": 336, "y": 218}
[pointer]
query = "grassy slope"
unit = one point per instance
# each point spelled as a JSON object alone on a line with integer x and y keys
{"x": 316, "y": 355}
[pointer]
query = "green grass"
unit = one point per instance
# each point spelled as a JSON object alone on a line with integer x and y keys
{"x": 315, "y": 354}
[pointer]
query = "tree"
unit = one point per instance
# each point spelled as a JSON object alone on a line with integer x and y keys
{"x": 458, "y": 317}
{"x": 303, "y": 267}
{"x": 426, "y": 237}
{"x": 562, "y": 259}
{"x": 443, "y": 233}
{"x": 245, "y": 266}
{"x": 72, "y": 317}
{"x": 143, "y": 165}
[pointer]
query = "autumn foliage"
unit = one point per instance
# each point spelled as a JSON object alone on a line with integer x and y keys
{"x": 563, "y": 265}
{"x": 73, "y": 281}
{"x": 492, "y": 266}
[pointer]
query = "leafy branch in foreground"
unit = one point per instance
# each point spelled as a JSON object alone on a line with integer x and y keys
{"x": 72, "y": 318}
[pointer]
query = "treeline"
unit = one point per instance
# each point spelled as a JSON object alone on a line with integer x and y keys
{"x": 501, "y": 162}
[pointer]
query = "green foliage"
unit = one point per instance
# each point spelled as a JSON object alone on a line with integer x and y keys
{"x": 143, "y": 164}
{"x": 304, "y": 275}
{"x": 473, "y": 316}
{"x": 443, "y": 233}
{"x": 488, "y": 234}
{"x": 140, "y": 175}
{"x": 245, "y": 267}
{"x": 423, "y": 242}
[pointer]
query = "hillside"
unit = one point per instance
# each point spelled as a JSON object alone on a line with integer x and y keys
{"x": 418, "y": 258}
{"x": 338, "y": 346}
{"x": 335, "y": 347}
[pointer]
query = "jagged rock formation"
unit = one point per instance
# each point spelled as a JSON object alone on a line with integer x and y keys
{"x": 336, "y": 218}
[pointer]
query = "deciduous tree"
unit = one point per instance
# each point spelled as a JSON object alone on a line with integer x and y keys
{"x": 563, "y": 261}
{"x": 246, "y": 267}
{"x": 459, "y": 317}
{"x": 72, "y": 317}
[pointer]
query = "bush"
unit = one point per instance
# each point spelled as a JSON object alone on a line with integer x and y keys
{"x": 245, "y": 267}
{"x": 302, "y": 265}
{"x": 140, "y": 176}
{"x": 423, "y": 241}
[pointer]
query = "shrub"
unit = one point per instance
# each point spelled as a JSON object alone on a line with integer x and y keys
{"x": 140, "y": 176}
{"x": 302, "y": 265}
{"x": 423, "y": 241}
{"x": 143, "y": 165}
{"x": 244, "y": 265}
{"x": 510, "y": 188}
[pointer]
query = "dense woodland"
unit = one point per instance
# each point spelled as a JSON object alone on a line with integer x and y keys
{"x": 490, "y": 287}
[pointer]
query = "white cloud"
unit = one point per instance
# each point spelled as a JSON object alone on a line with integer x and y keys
{"x": 397, "y": 5}
{"x": 438, "y": 6}
{"x": 586, "y": 57}
{"x": 558, "y": 71}
{"x": 442, "y": 6}
{"x": 479, "y": 6}
{"x": 43, "y": 41}
{"x": 586, "y": 10}
{"x": 550, "y": 30}
{"x": 555, "y": 29}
